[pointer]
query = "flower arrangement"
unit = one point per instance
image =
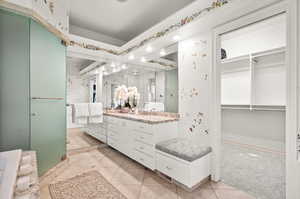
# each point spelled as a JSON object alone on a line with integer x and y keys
{"x": 126, "y": 97}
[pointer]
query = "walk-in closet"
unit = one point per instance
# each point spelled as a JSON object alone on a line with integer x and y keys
{"x": 253, "y": 98}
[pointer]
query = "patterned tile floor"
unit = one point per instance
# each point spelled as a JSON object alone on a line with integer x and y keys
{"x": 132, "y": 179}
{"x": 76, "y": 139}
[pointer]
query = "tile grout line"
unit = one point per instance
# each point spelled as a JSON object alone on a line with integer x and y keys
{"x": 142, "y": 184}
{"x": 215, "y": 193}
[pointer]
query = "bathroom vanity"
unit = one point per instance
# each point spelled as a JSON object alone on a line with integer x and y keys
{"x": 135, "y": 135}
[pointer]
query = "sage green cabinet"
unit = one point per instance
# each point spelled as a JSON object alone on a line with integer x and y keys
{"x": 47, "y": 91}
{"x": 33, "y": 89}
{"x": 14, "y": 82}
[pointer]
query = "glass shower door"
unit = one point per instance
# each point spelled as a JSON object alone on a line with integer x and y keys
{"x": 48, "y": 90}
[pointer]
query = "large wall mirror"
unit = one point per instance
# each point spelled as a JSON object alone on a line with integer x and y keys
{"x": 157, "y": 87}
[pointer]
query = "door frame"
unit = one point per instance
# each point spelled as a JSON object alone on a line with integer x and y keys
{"x": 291, "y": 107}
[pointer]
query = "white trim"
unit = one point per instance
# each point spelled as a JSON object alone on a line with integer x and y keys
{"x": 215, "y": 122}
{"x": 292, "y": 165}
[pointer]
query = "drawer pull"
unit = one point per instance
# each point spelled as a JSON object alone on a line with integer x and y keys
{"x": 168, "y": 168}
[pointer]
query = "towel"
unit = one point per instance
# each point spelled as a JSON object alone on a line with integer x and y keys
{"x": 96, "y": 113}
{"x": 81, "y": 113}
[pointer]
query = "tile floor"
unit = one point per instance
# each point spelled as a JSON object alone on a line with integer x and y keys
{"x": 132, "y": 179}
{"x": 76, "y": 139}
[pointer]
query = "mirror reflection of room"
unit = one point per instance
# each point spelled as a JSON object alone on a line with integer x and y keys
{"x": 157, "y": 89}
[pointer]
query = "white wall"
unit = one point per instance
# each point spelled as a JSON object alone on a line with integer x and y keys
{"x": 266, "y": 125}
{"x": 171, "y": 91}
{"x": 258, "y": 37}
{"x": 77, "y": 89}
{"x": 160, "y": 86}
{"x": 194, "y": 63}
{"x": 95, "y": 35}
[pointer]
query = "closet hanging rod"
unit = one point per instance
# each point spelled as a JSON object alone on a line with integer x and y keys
{"x": 254, "y": 55}
{"x": 253, "y": 109}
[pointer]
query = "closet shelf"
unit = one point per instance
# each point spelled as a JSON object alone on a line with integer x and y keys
{"x": 254, "y": 107}
{"x": 254, "y": 55}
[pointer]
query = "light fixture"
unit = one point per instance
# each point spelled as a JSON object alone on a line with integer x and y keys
{"x": 176, "y": 38}
{"x": 105, "y": 73}
{"x": 131, "y": 57}
{"x": 114, "y": 70}
{"x": 124, "y": 66}
{"x": 135, "y": 72}
{"x": 149, "y": 49}
{"x": 113, "y": 65}
{"x": 143, "y": 59}
{"x": 162, "y": 52}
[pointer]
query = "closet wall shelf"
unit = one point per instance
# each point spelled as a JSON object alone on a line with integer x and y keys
{"x": 254, "y": 55}
{"x": 254, "y": 107}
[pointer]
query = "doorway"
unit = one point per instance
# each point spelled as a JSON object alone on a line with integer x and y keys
{"x": 251, "y": 96}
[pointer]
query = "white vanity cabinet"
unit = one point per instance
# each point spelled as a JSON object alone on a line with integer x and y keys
{"x": 97, "y": 131}
{"x": 137, "y": 139}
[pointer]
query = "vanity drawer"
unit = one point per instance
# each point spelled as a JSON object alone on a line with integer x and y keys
{"x": 102, "y": 138}
{"x": 141, "y": 127}
{"x": 113, "y": 143}
{"x": 101, "y": 131}
{"x": 144, "y": 137}
{"x": 113, "y": 134}
{"x": 145, "y": 148}
{"x": 144, "y": 159}
{"x": 112, "y": 120}
{"x": 112, "y": 127}
{"x": 172, "y": 168}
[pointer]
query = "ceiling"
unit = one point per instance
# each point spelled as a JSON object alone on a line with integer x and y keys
{"x": 122, "y": 19}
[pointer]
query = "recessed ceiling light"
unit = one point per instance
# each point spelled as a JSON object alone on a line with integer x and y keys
{"x": 176, "y": 38}
{"x": 131, "y": 57}
{"x": 114, "y": 70}
{"x": 124, "y": 66}
{"x": 162, "y": 52}
{"x": 135, "y": 72}
{"x": 143, "y": 59}
{"x": 149, "y": 49}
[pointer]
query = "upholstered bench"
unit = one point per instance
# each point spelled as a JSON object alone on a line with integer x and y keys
{"x": 184, "y": 162}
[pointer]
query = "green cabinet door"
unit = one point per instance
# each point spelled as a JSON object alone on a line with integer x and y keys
{"x": 14, "y": 82}
{"x": 48, "y": 91}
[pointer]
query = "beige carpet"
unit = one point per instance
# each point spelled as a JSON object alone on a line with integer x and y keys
{"x": 90, "y": 185}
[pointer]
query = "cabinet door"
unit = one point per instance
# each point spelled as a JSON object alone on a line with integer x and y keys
{"x": 48, "y": 90}
{"x": 14, "y": 81}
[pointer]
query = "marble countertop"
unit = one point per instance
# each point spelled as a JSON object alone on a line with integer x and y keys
{"x": 150, "y": 118}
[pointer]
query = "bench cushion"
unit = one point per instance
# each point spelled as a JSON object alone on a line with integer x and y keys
{"x": 183, "y": 149}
